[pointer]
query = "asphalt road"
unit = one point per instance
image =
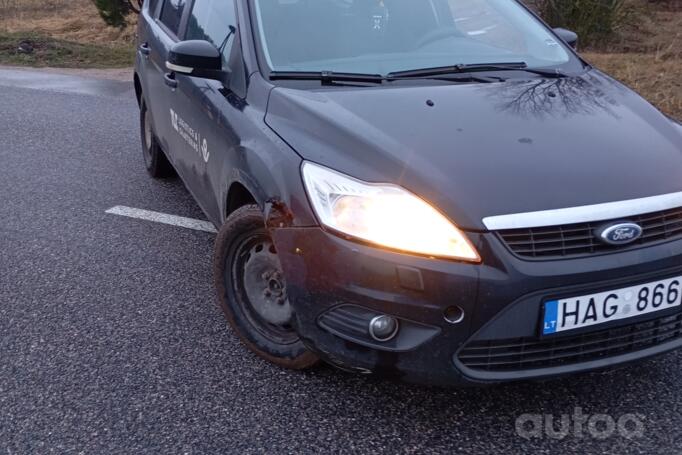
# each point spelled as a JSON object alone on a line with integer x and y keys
{"x": 110, "y": 340}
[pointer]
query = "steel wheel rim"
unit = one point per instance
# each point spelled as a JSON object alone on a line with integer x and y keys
{"x": 250, "y": 278}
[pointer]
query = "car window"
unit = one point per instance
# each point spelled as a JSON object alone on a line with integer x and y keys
{"x": 171, "y": 14}
{"x": 152, "y": 6}
{"x": 214, "y": 21}
{"x": 382, "y": 36}
{"x": 480, "y": 21}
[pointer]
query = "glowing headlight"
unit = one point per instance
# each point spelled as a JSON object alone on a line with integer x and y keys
{"x": 386, "y": 215}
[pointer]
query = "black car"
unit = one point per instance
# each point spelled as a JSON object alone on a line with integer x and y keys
{"x": 441, "y": 191}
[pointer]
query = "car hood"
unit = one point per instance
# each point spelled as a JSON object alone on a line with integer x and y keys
{"x": 479, "y": 150}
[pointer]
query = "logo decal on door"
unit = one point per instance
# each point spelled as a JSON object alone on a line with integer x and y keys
{"x": 174, "y": 120}
{"x": 204, "y": 151}
{"x": 190, "y": 135}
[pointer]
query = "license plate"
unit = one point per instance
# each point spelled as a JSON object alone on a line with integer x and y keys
{"x": 591, "y": 310}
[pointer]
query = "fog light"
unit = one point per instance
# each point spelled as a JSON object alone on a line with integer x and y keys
{"x": 454, "y": 314}
{"x": 383, "y": 328}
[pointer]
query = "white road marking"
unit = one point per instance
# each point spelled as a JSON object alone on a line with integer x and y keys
{"x": 164, "y": 218}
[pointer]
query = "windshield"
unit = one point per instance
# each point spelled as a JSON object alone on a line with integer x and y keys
{"x": 384, "y": 36}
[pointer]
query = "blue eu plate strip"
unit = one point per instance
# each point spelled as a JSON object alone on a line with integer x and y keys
{"x": 551, "y": 313}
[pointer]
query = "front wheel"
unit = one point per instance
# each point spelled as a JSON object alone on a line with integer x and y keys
{"x": 252, "y": 290}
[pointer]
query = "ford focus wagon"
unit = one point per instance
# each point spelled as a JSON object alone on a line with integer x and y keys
{"x": 440, "y": 191}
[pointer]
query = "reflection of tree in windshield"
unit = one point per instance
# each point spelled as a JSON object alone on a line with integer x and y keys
{"x": 567, "y": 96}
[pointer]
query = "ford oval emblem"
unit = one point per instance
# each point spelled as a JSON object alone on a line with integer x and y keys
{"x": 620, "y": 234}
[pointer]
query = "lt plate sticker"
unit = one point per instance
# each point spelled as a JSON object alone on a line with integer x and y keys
{"x": 590, "y": 310}
{"x": 190, "y": 135}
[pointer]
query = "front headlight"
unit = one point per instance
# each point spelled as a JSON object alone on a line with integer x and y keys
{"x": 385, "y": 215}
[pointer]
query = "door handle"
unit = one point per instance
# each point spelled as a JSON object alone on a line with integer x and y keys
{"x": 145, "y": 49}
{"x": 169, "y": 79}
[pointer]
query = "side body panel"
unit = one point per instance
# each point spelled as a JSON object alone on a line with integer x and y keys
{"x": 201, "y": 119}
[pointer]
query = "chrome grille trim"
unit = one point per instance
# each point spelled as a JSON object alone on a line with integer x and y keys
{"x": 585, "y": 213}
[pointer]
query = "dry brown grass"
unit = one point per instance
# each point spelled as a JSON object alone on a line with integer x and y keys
{"x": 70, "y": 20}
{"x": 656, "y": 30}
{"x": 64, "y": 33}
{"x": 648, "y": 57}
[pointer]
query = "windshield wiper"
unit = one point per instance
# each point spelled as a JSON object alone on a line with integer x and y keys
{"x": 330, "y": 77}
{"x": 475, "y": 67}
{"x": 521, "y": 66}
{"x": 326, "y": 77}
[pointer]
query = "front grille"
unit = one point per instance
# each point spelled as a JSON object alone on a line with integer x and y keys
{"x": 573, "y": 240}
{"x": 531, "y": 353}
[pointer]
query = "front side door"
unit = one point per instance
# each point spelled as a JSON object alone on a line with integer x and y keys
{"x": 205, "y": 107}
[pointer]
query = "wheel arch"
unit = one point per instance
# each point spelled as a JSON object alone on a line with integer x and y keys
{"x": 238, "y": 195}
{"x": 138, "y": 89}
{"x": 269, "y": 191}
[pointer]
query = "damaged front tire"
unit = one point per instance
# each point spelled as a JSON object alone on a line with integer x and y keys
{"x": 252, "y": 290}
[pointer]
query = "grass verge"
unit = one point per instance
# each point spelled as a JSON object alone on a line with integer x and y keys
{"x": 47, "y": 51}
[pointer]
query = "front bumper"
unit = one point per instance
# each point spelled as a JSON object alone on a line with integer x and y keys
{"x": 334, "y": 284}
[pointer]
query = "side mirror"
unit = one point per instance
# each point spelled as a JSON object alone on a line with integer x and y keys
{"x": 198, "y": 59}
{"x": 571, "y": 38}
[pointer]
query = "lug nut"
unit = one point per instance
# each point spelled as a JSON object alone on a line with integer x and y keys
{"x": 383, "y": 328}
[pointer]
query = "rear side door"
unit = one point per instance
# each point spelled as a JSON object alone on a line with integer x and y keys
{"x": 167, "y": 23}
{"x": 206, "y": 108}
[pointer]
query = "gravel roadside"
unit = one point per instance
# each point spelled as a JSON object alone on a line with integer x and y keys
{"x": 113, "y": 74}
